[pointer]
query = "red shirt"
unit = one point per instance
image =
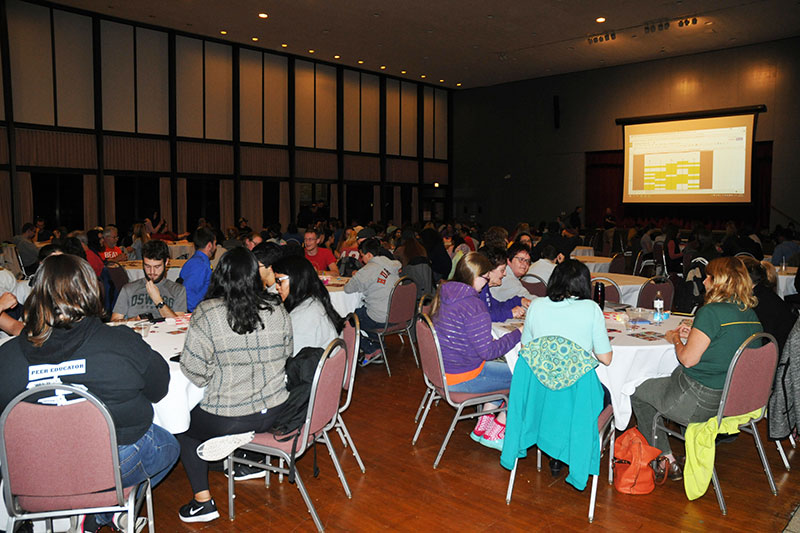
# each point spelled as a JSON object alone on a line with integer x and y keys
{"x": 111, "y": 253}
{"x": 322, "y": 259}
{"x": 95, "y": 261}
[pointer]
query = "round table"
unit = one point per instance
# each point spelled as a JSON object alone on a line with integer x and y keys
{"x": 343, "y": 302}
{"x": 595, "y": 263}
{"x": 786, "y": 282}
{"x": 181, "y": 250}
{"x": 628, "y": 285}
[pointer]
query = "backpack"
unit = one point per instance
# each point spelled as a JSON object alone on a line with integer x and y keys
{"x": 632, "y": 457}
{"x": 689, "y": 294}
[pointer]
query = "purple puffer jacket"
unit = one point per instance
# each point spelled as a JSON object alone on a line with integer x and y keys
{"x": 465, "y": 330}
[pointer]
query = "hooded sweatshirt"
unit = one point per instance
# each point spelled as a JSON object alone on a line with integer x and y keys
{"x": 113, "y": 363}
{"x": 375, "y": 281}
{"x": 464, "y": 328}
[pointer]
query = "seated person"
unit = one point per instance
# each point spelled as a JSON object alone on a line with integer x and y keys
{"x": 232, "y": 239}
{"x": 464, "y": 328}
{"x": 315, "y": 322}
{"x": 64, "y": 331}
{"x": 569, "y": 312}
{"x": 28, "y": 253}
{"x": 515, "y": 306}
{"x": 94, "y": 249}
{"x": 375, "y": 281}
{"x": 267, "y": 253}
{"x": 110, "y": 251}
{"x": 693, "y": 392}
{"x": 321, "y": 258}
{"x": 9, "y": 326}
{"x": 546, "y": 263}
{"x": 237, "y": 344}
{"x": 252, "y": 239}
{"x": 786, "y": 248}
{"x": 140, "y": 237}
{"x": 776, "y": 316}
{"x": 518, "y": 259}
{"x": 42, "y": 234}
{"x": 196, "y": 272}
{"x": 153, "y": 294}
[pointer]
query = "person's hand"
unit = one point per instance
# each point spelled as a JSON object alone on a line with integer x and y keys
{"x": 673, "y": 336}
{"x": 521, "y": 327}
{"x": 7, "y": 301}
{"x": 684, "y": 330}
{"x": 526, "y": 302}
{"x": 153, "y": 292}
{"x": 560, "y": 258}
{"x": 518, "y": 312}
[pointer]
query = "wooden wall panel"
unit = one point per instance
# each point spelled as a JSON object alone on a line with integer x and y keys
{"x": 3, "y": 145}
{"x": 257, "y": 161}
{"x": 152, "y": 81}
{"x": 440, "y": 124}
{"x": 189, "y": 86}
{"x": 427, "y": 125}
{"x": 31, "y": 62}
{"x": 56, "y": 149}
{"x": 316, "y": 165}
{"x": 253, "y": 203}
{"x": 74, "y": 69}
{"x": 325, "y": 107}
{"x": 402, "y": 171}
{"x": 219, "y": 91}
{"x": 304, "y": 103}
{"x": 23, "y": 200}
{"x": 376, "y": 202}
{"x": 205, "y": 158}
{"x": 6, "y": 213}
{"x": 225, "y": 205}
{"x": 276, "y": 98}
{"x": 392, "y": 117}
{"x": 130, "y": 153}
{"x": 362, "y": 168}
{"x": 351, "y": 88}
{"x": 408, "y": 119}
{"x": 118, "y": 79}
{"x": 433, "y": 172}
{"x": 251, "y": 102}
{"x": 370, "y": 113}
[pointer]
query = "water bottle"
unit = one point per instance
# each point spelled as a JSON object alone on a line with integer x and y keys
{"x": 783, "y": 264}
{"x": 658, "y": 305}
{"x": 600, "y": 294}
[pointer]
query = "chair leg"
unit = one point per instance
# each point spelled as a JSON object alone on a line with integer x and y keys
{"x": 421, "y": 405}
{"x": 718, "y": 490}
{"x": 48, "y": 525}
{"x": 593, "y": 498}
{"x": 347, "y": 437}
{"x": 763, "y": 456}
{"x": 511, "y": 478}
{"x": 413, "y": 345}
{"x": 791, "y": 440}
{"x": 783, "y": 456}
{"x": 611, "y": 454}
{"x": 336, "y": 464}
{"x": 231, "y": 495}
{"x": 151, "y": 523}
{"x": 341, "y": 435}
{"x": 447, "y": 437}
{"x": 385, "y": 356}
{"x": 424, "y": 416}
{"x": 309, "y": 504}
{"x": 538, "y": 459}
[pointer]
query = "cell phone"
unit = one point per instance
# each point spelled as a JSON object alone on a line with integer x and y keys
{"x": 175, "y": 358}
{"x": 150, "y": 318}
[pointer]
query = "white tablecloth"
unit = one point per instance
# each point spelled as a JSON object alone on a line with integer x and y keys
{"x": 595, "y": 263}
{"x": 786, "y": 282}
{"x": 629, "y": 285}
{"x": 582, "y": 250}
{"x": 633, "y": 362}
{"x": 10, "y": 259}
{"x": 343, "y": 302}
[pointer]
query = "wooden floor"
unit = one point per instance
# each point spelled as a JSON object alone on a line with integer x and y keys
{"x": 402, "y": 492}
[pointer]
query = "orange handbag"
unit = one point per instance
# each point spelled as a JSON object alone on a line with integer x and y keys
{"x": 632, "y": 457}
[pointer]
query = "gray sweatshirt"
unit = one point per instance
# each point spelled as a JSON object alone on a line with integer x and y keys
{"x": 375, "y": 281}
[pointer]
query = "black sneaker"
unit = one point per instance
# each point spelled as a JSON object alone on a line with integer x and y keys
{"x": 87, "y": 524}
{"x": 243, "y": 472}
{"x": 195, "y": 511}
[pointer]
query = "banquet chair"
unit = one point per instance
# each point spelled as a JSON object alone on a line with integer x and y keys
{"x": 613, "y": 292}
{"x": 60, "y": 459}
{"x": 617, "y": 264}
{"x": 437, "y": 389}
{"x": 400, "y": 316}
{"x": 659, "y": 259}
{"x": 649, "y": 289}
{"x": 643, "y": 264}
{"x": 747, "y": 387}
{"x": 534, "y": 284}
{"x": 605, "y": 426}
{"x": 321, "y": 417}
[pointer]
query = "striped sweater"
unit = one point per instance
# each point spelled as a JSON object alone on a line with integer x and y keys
{"x": 464, "y": 328}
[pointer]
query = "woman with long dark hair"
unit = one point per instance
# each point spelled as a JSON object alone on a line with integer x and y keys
{"x": 238, "y": 341}
{"x": 315, "y": 322}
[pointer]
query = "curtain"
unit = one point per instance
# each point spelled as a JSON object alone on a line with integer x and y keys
{"x": 109, "y": 200}
{"x": 23, "y": 199}
{"x": 252, "y": 202}
{"x": 89, "y": 201}
{"x": 181, "y": 205}
{"x": 226, "y": 205}
{"x": 284, "y": 214}
{"x": 6, "y": 216}
{"x": 165, "y": 201}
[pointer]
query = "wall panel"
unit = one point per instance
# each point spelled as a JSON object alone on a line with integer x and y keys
{"x": 408, "y": 119}
{"x": 370, "y": 113}
{"x": 284, "y": 210}
{"x": 325, "y": 107}
{"x": 74, "y": 69}
{"x": 427, "y": 123}
{"x": 316, "y": 165}
{"x": 304, "y": 103}
{"x": 117, "y": 75}
{"x": 402, "y": 170}
{"x": 131, "y": 153}
{"x": 205, "y": 158}
{"x": 264, "y": 161}
{"x": 165, "y": 200}
{"x": 6, "y": 215}
{"x": 361, "y": 168}
{"x": 219, "y": 91}
{"x": 90, "y": 214}
{"x": 31, "y": 62}
{"x": 351, "y": 88}
{"x": 440, "y": 124}
{"x": 253, "y": 203}
{"x": 152, "y": 81}
{"x": 276, "y": 106}
{"x": 56, "y": 149}
{"x": 392, "y": 117}
{"x": 189, "y": 86}
{"x": 251, "y": 102}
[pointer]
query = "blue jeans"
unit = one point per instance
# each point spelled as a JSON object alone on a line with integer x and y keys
{"x": 152, "y": 456}
{"x": 370, "y": 343}
{"x": 494, "y": 376}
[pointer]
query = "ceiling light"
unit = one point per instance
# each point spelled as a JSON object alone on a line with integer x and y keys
{"x": 360, "y": 61}
{"x": 436, "y": 184}
{"x": 458, "y": 84}
{"x": 600, "y": 19}
{"x": 708, "y": 23}
{"x": 284, "y": 45}
{"x": 337, "y": 56}
{"x": 441, "y": 81}
{"x": 423, "y": 76}
{"x": 403, "y": 72}
{"x": 310, "y": 50}
{"x": 262, "y": 15}
{"x": 223, "y": 32}
{"x": 383, "y": 67}
{"x": 694, "y": 20}
{"x": 255, "y": 39}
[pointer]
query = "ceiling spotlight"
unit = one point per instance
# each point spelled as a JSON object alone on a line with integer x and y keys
{"x": 284, "y": 45}
{"x": 441, "y": 81}
{"x": 613, "y": 36}
{"x": 600, "y": 19}
{"x": 652, "y": 28}
{"x": 262, "y": 15}
{"x": 383, "y": 67}
{"x": 436, "y": 184}
{"x": 360, "y": 61}
{"x": 337, "y": 56}
{"x": 595, "y": 39}
{"x": 666, "y": 25}
{"x": 223, "y": 32}
{"x": 686, "y": 22}
{"x": 403, "y": 72}
{"x": 590, "y": 40}
{"x": 310, "y": 50}
{"x": 607, "y": 39}
{"x": 680, "y": 24}
{"x": 423, "y": 76}
{"x": 458, "y": 85}
{"x": 660, "y": 26}
{"x": 694, "y": 20}
{"x": 255, "y": 39}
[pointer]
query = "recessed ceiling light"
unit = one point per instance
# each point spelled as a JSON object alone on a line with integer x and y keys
{"x": 383, "y": 67}
{"x": 458, "y": 84}
{"x": 310, "y": 50}
{"x": 441, "y": 81}
{"x": 337, "y": 56}
{"x": 262, "y": 15}
{"x": 284, "y": 45}
{"x": 254, "y": 39}
{"x": 403, "y": 72}
{"x": 423, "y": 76}
{"x": 360, "y": 61}
{"x": 223, "y": 32}
{"x": 709, "y": 23}
{"x": 600, "y": 19}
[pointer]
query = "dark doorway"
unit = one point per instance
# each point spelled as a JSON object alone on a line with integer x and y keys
{"x": 136, "y": 197}
{"x": 202, "y": 201}
{"x": 359, "y": 203}
{"x": 58, "y": 198}
{"x": 272, "y": 203}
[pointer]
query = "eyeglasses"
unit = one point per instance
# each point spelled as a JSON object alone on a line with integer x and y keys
{"x": 523, "y": 260}
{"x": 281, "y": 279}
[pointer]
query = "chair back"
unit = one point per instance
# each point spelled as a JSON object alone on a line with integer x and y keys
{"x": 748, "y": 384}
{"x": 402, "y": 305}
{"x": 424, "y": 305}
{"x": 745, "y": 254}
{"x": 534, "y": 284}
{"x": 659, "y": 258}
{"x": 420, "y": 272}
{"x": 430, "y": 354}
{"x": 648, "y": 290}
{"x": 613, "y": 292}
{"x": 58, "y": 455}
{"x": 688, "y": 257}
{"x": 352, "y": 339}
{"x": 617, "y": 264}
{"x": 326, "y": 390}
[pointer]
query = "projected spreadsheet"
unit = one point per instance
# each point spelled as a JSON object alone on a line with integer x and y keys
{"x": 671, "y": 172}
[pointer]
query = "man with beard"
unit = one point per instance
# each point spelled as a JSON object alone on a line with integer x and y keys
{"x": 153, "y": 294}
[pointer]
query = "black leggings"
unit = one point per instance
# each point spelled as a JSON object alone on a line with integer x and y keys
{"x": 204, "y": 426}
